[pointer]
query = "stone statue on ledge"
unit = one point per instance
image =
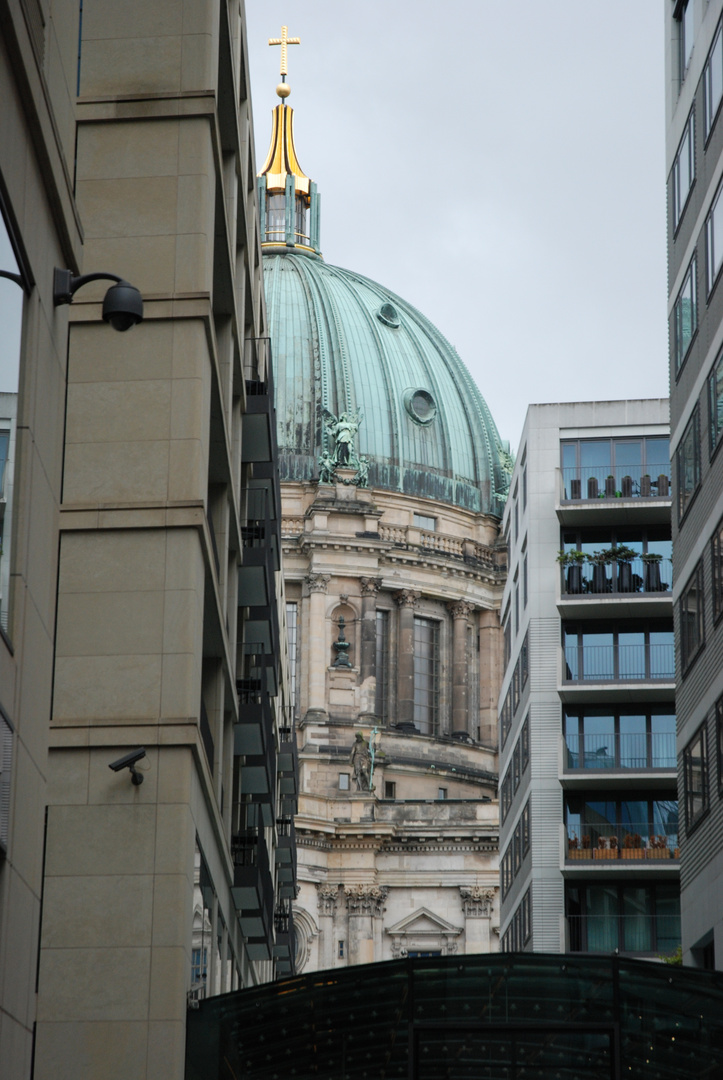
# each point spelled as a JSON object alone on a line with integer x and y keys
{"x": 360, "y": 760}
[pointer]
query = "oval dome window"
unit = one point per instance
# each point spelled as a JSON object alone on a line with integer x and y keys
{"x": 388, "y": 314}
{"x": 420, "y": 405}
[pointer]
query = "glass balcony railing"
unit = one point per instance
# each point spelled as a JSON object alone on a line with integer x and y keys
{"x": 637, "y": 933}
{"x": 637, "y": 576}
{"x": 616, "y": 482}
{"x": 619, "y": 663}
{"x": 625, "y": 750}
{"x": 633, "y": 841}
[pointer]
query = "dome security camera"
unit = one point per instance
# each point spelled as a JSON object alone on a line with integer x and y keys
{"x": 123, "y": 306}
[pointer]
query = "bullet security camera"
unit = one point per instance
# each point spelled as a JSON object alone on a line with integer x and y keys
{"x": 128, "y": 761}
{"x": 123, "y": 303}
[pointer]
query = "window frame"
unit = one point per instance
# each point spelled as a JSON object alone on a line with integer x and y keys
{"x": 716, "y": 553}
{"x": 687, "y": 146}
{"x": 715, "y": 430}
{"x": 690, "y": 650}
{"x": 427, "y": 682}
{"x": 693, "y": 817}
{"x": 710, "y": 116}
{"x": 713, "y": 272}
{"x": 719, "y": 742}
{"x": 685, "y": 495}
{"x": 680, "y": 356}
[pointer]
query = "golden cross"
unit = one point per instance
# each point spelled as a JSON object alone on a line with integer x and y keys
{"x": 283, "y": 41}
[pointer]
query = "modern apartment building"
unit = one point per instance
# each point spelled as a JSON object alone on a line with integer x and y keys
{"x": 589, "y": 848}
{"x": 694, "y": 93}
{"x": 147, "y": 755}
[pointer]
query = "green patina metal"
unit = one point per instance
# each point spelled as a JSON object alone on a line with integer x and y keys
{"x": 333, "y": 351}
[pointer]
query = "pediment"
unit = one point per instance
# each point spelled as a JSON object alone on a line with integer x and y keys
{"x": 423, "y": 921}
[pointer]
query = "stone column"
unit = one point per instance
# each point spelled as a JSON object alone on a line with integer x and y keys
{"x": 365, "y": 906}
{"x": 460, "y": 611}
{"x": 477, "y": 905}
{"x": 490, "y": 674}
{"x": 327, "y": 901}
{"x": 368, "y": 637}
{"x": 316, "y": 647}
{"x": 407, "y": 601}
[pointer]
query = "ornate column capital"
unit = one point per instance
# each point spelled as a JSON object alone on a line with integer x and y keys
{"x": 460, "y": 609}
{"x": 365, "y": 899}
{"x": 407, "y": 598}
{"x": 326, "y": 896}
{"x": 477, "y": 902}
{"x": 317, "y": 582}
{"x": 370, "y": 586}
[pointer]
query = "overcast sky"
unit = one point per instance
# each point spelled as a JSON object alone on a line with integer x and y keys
{"x": 501, "y": 167}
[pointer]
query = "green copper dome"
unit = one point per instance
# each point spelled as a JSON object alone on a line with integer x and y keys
{"x": 345, "y": 344}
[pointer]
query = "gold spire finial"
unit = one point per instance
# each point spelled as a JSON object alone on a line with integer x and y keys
{"x": 283, "y": 89}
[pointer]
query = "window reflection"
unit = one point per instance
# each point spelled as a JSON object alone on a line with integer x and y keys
{"x": 11, "y": 312}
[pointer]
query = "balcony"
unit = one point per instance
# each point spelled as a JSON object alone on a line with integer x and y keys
{"x": 285, "y": 854}
{"x": 284, "y": 945}
{"x": 642, "y": 671}
{"x": 592, "y": 493}
{"x": 253, "y": 891}
{"x": 620, "y": 752}
{"x": 620, "y": 845}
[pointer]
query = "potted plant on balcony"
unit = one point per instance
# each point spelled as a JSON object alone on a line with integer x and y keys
{"x": 633, "y": 846}
{"x": 600, "y": 560}
{"x": 645, "y": 486}
{"x": 573, "y": 848}
{"x": 651, "y": 562}
{"x": 572, "y": 560}
{"x": 623, "y": 557}
{"x": 605, "y": 848}
{"x": 658, "y": 847}
{"x": 586, "y": 852}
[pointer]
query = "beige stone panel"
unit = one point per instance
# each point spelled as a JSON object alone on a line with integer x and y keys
{"x": 110, "y": 561}
{"x": 132, "y": 207}
{"x": 138, "y": 20}
{"x": 188, "y": 417}
{"x": 37, "y": 553}
{"x": 183, "y": 622}
{"x": 195, "y": 205}
{"x": 16, "y": 1042}
{"x": 110, "y": 624}
{"x": 48, "y": 407}
{"x": 175, "y": 767}
{"x": 94, "y": 984}
{"x": 146, "y": 353}
{"x": 188, "y": 470}
{"x": 108, "y": 787}
{"x": 8, "y": 673}
{"x": 198, "y": 64}
{"x": 13, "y": 139}
{"x": 97, "y": 912}
{"x": 128, "y": 149}
{"x": 195, "y": 148}
{"x": 73, "y": 1050}
{"x": 169, "y": 976}
{"x": 119, "y": 411}
{"x": 149, "y": 262}
{"x": 105, "y": 840}
{"x": 175, "y": 840}
{"x": 68, "y": 777}
{"x": 194, "y": 262}
{"x": 184, "y": 560}
{"x": 172, "y": 911}
{"x": 116, "y": 472}
{"x": 118, "y": 65}
{"x": 166, "y": 1048}
{"x": 181, "y": 686}
{"x": 17, "y": 975}
{"x": 91, "y": 689}
{"x": 34, "y": 687}
{"x": 190, "y": 349}
{"x": 57, "y": 55}
{"x": 27, "y": 807}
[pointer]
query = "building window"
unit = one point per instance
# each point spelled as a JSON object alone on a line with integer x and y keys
{"x": 423, "y": 521}
{"x": 713, "y": 81}
{"x": 292, "y": 610}
{"x": 624, "y": 918}
{"x": 602, "y": 738}
{"x": 684, "y": 170}
{"x": 715, "y": 403}
{"x": 524, "y": 581}
{"x": 507, "y": 638}
{"x": 684, "y": 10}
{"x": 692, "y": 621}
{"x": 719, "y": 741}
{"x": 695, "y": 768}
{"x": 615, "y": 653}
{"x": 390, "y": 789}
{"x": 717, "y": 570}
{"x": 685, "y": 316}
{"x": 381, "y": 666}
{"x": 515, "y": 517}
{"x": 517, "y": 603}
{"x": 199, "y": 962}
{"x": 426, "y": 675}
{"x": 614, "y": 468}
{"x": 714, "y": 240}
{"x": 687, "y": 463}
{"x": 524, "y": 481}
{"x": 442, "y": 793}
{"x": 525, "y": 745}
{"x": 340, "y": 950}
{"x": 344, "y": 781}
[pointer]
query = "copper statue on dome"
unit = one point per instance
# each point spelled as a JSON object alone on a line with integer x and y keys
{"x": 343, "y": 430}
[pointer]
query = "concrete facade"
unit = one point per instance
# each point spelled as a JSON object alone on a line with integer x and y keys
{"x": 694, "y": 138}
{"x": 146, "y": 600}
{"x": 587, "y": 702}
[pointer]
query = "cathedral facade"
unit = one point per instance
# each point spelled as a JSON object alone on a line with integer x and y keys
{"x": 393, "y": 484}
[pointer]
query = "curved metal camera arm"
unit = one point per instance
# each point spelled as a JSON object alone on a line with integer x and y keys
{"x": 123, "y": 303}
{"x": 13, "y": 277}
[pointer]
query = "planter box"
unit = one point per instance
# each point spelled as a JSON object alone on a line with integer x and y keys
{"x": 579, "y": 853}
{"x": 658, "y": 853}
{"x": 606, "y": 853}
{"x": 632, "y": 852}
